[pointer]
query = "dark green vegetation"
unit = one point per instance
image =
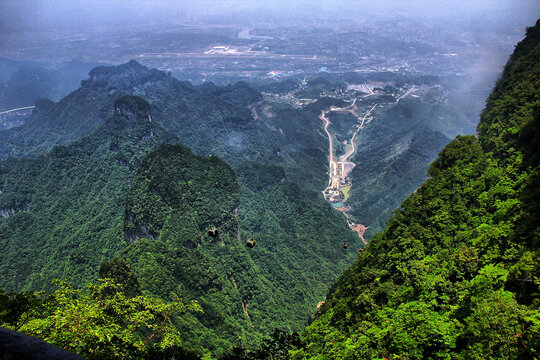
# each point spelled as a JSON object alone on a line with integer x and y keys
{"x": 118, "y": 195}
{"x": 216, "y": 120}
{"x": 64, "y": 210}
{"x": 100, "y": 322}
{"x": 396, "y": 143}
{"x": 208, "y": 119}
{"x": 455, "y": 273}
{"x": 394, "y": 151}
{"x": 343, "y": 125}
{"x": 121, "y": 192}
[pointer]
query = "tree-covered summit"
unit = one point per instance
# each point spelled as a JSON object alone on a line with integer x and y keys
{"x": 172, "y": 188}
{"x": 124, "y": 77}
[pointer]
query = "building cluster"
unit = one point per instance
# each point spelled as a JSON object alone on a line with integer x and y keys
{"x": 339, "y": 177}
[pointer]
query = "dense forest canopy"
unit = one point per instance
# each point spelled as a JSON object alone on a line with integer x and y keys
{"x": 132, "y": 192}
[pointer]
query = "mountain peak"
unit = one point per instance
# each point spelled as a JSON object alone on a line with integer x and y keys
{"x": 103, "y": 70}
{"x": 127, "y": 77}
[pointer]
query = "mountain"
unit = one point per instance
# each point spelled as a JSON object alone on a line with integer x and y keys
{"x": 393, "y": 156}
{"x": 237, "y": 124}
{"x": 133, "y": 199}
{"x": 59, "y": 209}
{"x": 399, "y": 122}
{"x": 455, "y": 273}
{"x": 122, "y": 192}
{"x": 209, "y": 119}
{"x": 70, "y": 210}
{"x": 83, "y": 110}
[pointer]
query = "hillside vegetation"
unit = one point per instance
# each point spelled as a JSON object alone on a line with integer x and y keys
{"x": 130, "y": 194}
{"x": 455, "y": 273}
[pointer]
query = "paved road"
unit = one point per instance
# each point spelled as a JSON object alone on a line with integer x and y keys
{"x": 359, "y": 228}
{"x": 352, "y": 148}
{"x": 331, "y": 146}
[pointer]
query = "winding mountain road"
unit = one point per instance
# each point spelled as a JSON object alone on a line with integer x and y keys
{"x": 331, "y": 146}
{"x": 352, "y": 148}
{"x": 343, "y": 159}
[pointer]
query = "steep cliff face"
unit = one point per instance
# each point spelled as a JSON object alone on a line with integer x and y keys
{"x": 133, "y": 108}
{"x": 7, "y": 212}
{"x": 455, "y": 273}
{"x": 71, "y": 200}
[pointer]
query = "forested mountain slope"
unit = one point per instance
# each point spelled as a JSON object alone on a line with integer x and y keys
{"x": 236, "y": 124}
{"x": 393, "y": 157}
{"x": 209, "y": 119}
{"x": 121, "y": 192}
{"x": 72, "y": 209}
{"x": 83, "y": 110}
{"x": 455, "y": 273}
{"x": 63, "y": 211}
{"x": 393, "y": 151}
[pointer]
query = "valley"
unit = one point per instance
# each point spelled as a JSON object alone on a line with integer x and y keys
{"x": 243, "y": 180}
{"x": 159, "y": 207}
{"x": 402, "y": 297}
{"x": 339, "y": 171}
{"x": 14, "y": 117}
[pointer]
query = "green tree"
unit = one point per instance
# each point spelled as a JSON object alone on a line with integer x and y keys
{"x": 98, "y": 323}
{"x": 121, "y": 273}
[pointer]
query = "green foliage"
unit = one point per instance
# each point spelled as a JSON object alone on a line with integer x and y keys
{"x": 506, "y": 114}
{"x": 237, "y": 94}
{"x": 120, "y": 184}
{"x": 244, "y": 293}
{"x": 100, "y": 324}
{"x": 173, "y": 184}
{"x": 121, "y": 273}
{"x": 455, "y": 273}
{"x": 14, "y": 307}
{"x": 274, "y": 347}
{"x": 70, "y": 202}
{"x": 74, "y": 208}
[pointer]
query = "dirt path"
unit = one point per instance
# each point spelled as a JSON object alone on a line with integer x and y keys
{"x": 352, "y": 148}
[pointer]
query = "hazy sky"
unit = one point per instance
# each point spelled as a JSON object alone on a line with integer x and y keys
{"x": 18, "y": 15}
